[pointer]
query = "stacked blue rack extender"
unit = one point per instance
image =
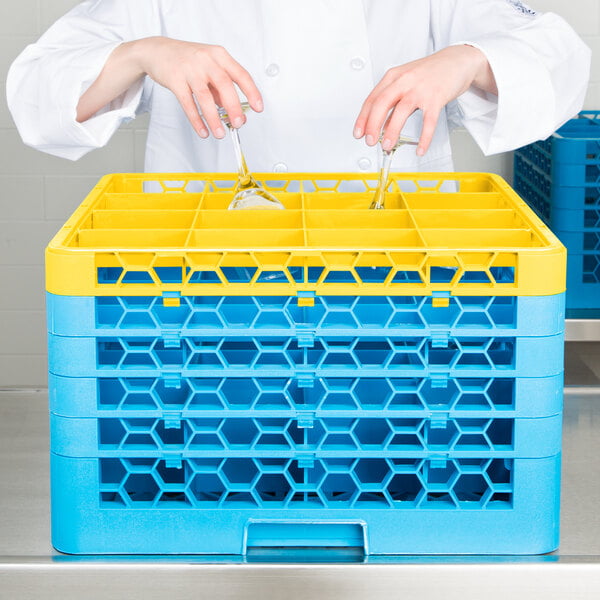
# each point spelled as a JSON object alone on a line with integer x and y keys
{"x": 394, "y": 423}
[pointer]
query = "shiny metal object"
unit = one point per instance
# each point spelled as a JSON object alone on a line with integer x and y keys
{"x": 582, "y": 330}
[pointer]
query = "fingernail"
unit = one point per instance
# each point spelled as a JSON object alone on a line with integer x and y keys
{"x": 370, "y": 140}
{"x": 358, "y": 132}
{"x": 420, "y": 151}
{"x": 259, "y": 105}
{"x": 220, "y": 132}
{"x": 238, "y": 122}
{"x": 203, "y": 133}
{"x": 387, "y": 144}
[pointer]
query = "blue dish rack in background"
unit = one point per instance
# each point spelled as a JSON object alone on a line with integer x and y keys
{"x": 560, "y": 179}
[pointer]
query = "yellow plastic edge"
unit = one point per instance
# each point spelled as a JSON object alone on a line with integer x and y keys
{"x": 540, "y": 271}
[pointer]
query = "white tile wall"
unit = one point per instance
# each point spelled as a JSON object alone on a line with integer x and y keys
{"x": 38, "y": 192}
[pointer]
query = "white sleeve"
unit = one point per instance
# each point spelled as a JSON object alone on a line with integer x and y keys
{"x": 47, "y": 79}
{"x": 540, "y": 64}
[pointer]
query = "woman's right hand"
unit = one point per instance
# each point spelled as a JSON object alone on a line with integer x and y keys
{"x": 200, "y": 75}
{"x": 202, "y": 72}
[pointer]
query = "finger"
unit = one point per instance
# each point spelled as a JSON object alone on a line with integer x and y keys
{"x": 363, "y": 115}
{"x": 395, "y": 124}
{"x": 218, "y": 100}
{"x": 245, "y": 82}
{"x": 240, "y": 76}
{"x": 387, "y": 100}
{"x": 388, "y": 119}
{"x": 209, "y": 110}
{"x": 186, "y": 100}
{"x": 215, "y": 94}
{"x": 430, "y": 120}
{"x": 361, "y": 120}
{"x": 365, "y": 112}
{"x": 228, "y": 97}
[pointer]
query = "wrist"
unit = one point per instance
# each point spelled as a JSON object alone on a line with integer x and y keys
{"x": 136, "y": 54}
{"x": 483, "y": 77}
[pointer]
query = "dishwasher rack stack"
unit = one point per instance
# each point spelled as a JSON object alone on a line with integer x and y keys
{"x": 560, "y": 179}
{"x": 324, "y": 376}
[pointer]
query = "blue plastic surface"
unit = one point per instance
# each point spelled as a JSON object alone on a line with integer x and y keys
{"x": 435, "y": 506}
{"x": 333, "y": 436}
{"x": 227, "y": 424}
{"x": 577, "y": 242}
{"x": 575, "y": 220}
{"x": 330, "y": 315}
{"x": 245, "y": 356}
{"x": 583, "y": 281}
{"x": 560, "y": 179}
{"x": 130, "y": 397}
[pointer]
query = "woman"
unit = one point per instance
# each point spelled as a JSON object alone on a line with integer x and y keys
{"x": 323, "y": 71}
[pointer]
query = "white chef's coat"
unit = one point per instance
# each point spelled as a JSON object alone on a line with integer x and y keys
{"x": 315, "y": 62}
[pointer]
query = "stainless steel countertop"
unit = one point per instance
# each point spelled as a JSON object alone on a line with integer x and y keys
{"x": 582, "y": 330}
{"x": 30, "y": 568}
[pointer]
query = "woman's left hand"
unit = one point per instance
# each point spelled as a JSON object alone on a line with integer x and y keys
{"x": 427, "y": 84}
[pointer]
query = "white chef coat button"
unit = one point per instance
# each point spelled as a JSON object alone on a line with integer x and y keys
{"x": 280, "y": 168}
{"x": 364, "y": 163}
{"x": 272, "y": 70}
{"x": 357, "y": 63}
